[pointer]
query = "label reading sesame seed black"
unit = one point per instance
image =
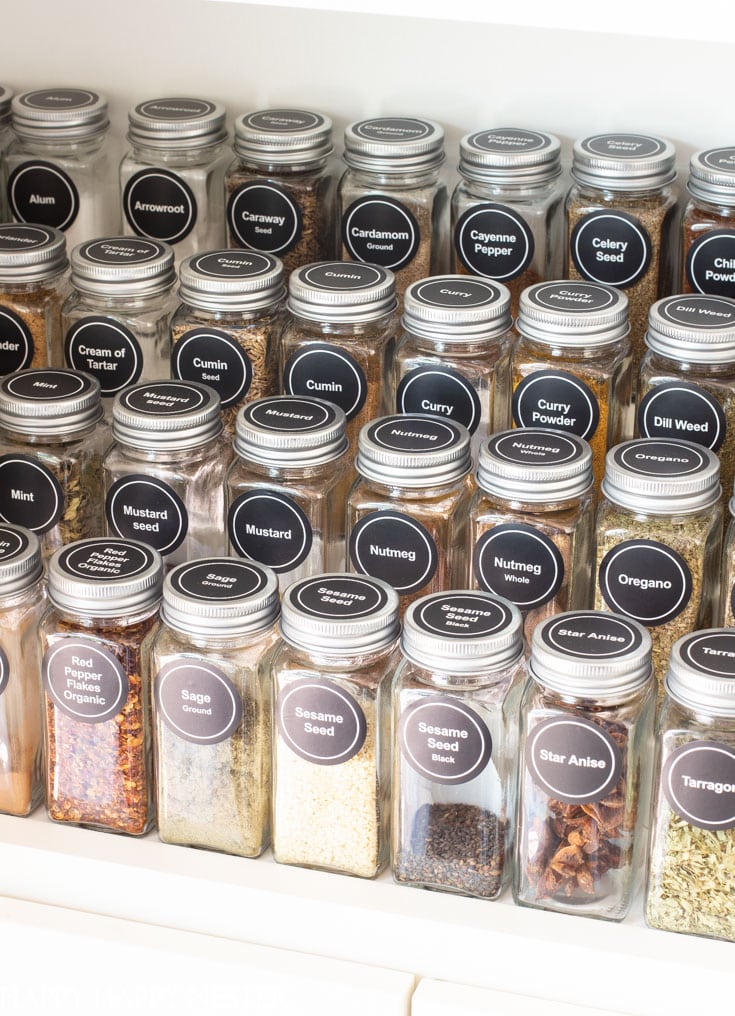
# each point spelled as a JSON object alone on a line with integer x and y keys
{"x": 84, "y": 680}
{"x": 214, "y": 358}
{"x": 197, "y": 701}
{"x": 107, "y": 350}
{"x": 102, "y": 560}
{"x": 143, "y": 508}
{"x": 677, "y": 409}
{"x": 592, "y": 635}
{"x": 459, "y": 615}
{"x": 611, "y": 247}
{"x": 381, "y": 231}
{"x": 16, "y": 342}
{"x": 320, "y": 722}
{"x": 494, "y": 241}
{"x": 440, "y": 391}
{"x": 698, "y": 780}
{"x": 219, "y": 579}
{"x": 519, "y": 563}
{"x": 30, "y": 495}
{"x": 444, "y": 740}
{"x": 270, "y": 528}
{"x": 4, "y": 671}
{"x": 710, "y": 263}
{"x": 573, "y": 760}
{"x": 338, "y": 597}
{"x": 645, "y": 580}
{"x": 41, "y": 193}
{"x": 394, "y": 547}
{"x": 327, "y": 372}
{"x": 558, "y": 400}
{"x": 159, "y": 204}
{"x": 264, "y": 217}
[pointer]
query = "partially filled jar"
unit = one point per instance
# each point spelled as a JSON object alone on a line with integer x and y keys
{"x": 708, "y": 224}
{"x": 726, "y": 613}
{"x": 6, "y": 136}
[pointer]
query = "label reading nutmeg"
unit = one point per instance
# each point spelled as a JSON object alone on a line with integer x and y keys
{"x": 320, "y": 722}
{"x": 84, "y": 680}
{"x": 519, "y": 563}
{"x": 197, "y": 701}
{"x": 380, "y": 231}
{"x": 264, "y": 217}
{"x": 558, "y": 400}
{"x": 41, "y": 193}
{"x": 16, "y": 342}
{"x": 144, "y": 508}
{"x": 30, "y": 495}
{"x": 444, "y": 740}
{"x": 327, "y": 372}
{"x": 213, "y": 358}
{"x": 440, "y": 391}
{"x": 270, "y": 528}
{"x": 394, "y": 547}
{"x": 678, "y": 409}
{"x": 710, "y": 263}
{"x": 107, "y": 350}
{"x": 4, "y": 671}
{"x": 494, "y": 241}
{"x": 645, "y": 580}
{"x": 572, "y": 760}
{"x": 698, "y": 780}
{"x": 611, "y": 247}
{"x": 159, "y": 204}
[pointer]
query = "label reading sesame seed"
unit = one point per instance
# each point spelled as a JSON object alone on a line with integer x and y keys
{"x": 84, "y": 680}
{"x": 320, "y": 722}
{"x": 339, "y": 597}
{"x": 213, "y": 358}
{"x": 444, "y": 740}
{"x": 645, "y": 580}
{"x": 197, "y": 701}
{"x": 143, "y": 508}
{"x": 698, "y": 780}
{"x": 270, "y": 528}
{"x": 440, "y": 391}
{"x": 30, "y": 495}
{"x": 677, "y": 409}
{"x": 611, "y": 247}
{"x": 396, "y": 548}
{"x": 572, "y": 760}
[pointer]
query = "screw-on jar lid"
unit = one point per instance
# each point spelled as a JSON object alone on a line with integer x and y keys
{"x": 123, "y": 266}
{"x": 283, "y": 137}
{"x": 231, "y": 280}
{"x": 341, "y": 291}
{"x": 712, "y": 175}
{"x": 413, "y": 451}
{"x": 694, "y": 328}
{"x": 31, "y": 253}
{"x": 663, "y": 476}
{"x": 177, "y": 123}
{"x": 290, "y": 430}
{"x": 701, "y": 672}
{"x": 57, "y": 114}
{"x": 624, "y": 161}
{"x": 534, "y": 465}
{"x": 510, "y": 156}
{"x": 21, "y": 563}
{"x": 463, "y": 632}
{"x": 105, "y": 577}
{"x": 338, "y": 614}
{"x": 6, "y": 96}
{"x": 221, "y": 597}
{"x": 166, "y": 415}
{"x": 49, "y": 403}
{"x": 573, "y": 314}
{"x": 456, "y": 307}
{"x": 394, "y": 144}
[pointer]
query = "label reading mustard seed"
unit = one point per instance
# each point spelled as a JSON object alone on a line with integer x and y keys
{"x": 444, "y": 740}
{"x": 320, "y": 722}
{"x": 143, "y": 508}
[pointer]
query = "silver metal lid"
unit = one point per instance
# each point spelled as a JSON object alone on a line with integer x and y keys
{"x": 413, "y": 451}
{"x": 590, "y": 654}
{"x": 283, "y": 137}
{"x": 21, "y": 563}
{"x": 510, "y": 156}
{"x": 573, "y": 314}
{"x": 394, "y": 144}
{"x": 463, "y": 632}
{"x": 56, "y": 114}
{"x": 177, "y": 123}
{"x": 31, "y": 253}
{"x": 105, "y": 577}
{"x": 49, "y": 403}
{"x": 6, "y": 96}
{"x": 340, "y": 615}
{"x": 290, "y": 430}
{"x": 693, "y": 327}
{"x": 534, "y": 465}
{"x": 456, "y": 307}
{"x": 231, "y": 280}
{"x": 712, "y": 175}
{"x": 166, "y": 415}
{"x": 341, "y": 291}
{"x": 624, "y": 161}
{"x": 123, "y": 266}
{"x": 663, "y": 476}
{"x": 701, "y": 672}
{"x": 220, "y": 597}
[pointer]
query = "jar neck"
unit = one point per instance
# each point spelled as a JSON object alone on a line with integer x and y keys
{"x": 275, "y": 169}
{"x": 555, "y": 348}
{"x": 547, "y": 507}
{"x": 357, "y": 660}
{"x": 206, "y": 315}
{"x": 292, "y": 470}
{"x": 32, "y": 593}
{"x": 177, "y": 156}
{"x": 458, "y": 343}
{"x": 317, "y": 329}
{"x": 509, "y": 189}
{"x": 421, "y": 492}
{"x": 189, "y": 455}
{"x": 725, "y": 211}
{"x": 444, "y": 679}
{"x": 218, "y": 641}
{"x": 94, "y": 623}
{"x": 51, "y": 436}
{"x": 609, "y": 194}
{"x": 37, "y": 287}
{"x": 60, "y": 147}
{"x": 125, "y": 302}
{"x": 682, "y": 366}
{"x": 406, "y": 180}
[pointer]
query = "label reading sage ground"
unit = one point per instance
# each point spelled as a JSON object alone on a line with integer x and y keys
{"x": 41, "y": 193}
{"x": 264, "y": 217}
{"x": 84, "y": 680}
{"x": 143, "y": 508}
{"x": 558, "y": 400}
{"x": 699, "y": 784}
{"x": 677, "y": 409}
{"x": 320, "y": 722}
{"x": 573, "y": 760}
{"x": 329, "y": 373}
{"x": 159, "y": 204}
{"x": 519, "y": 563}
{"x": 270, "y": 528}
{"x": 105, "y": 349}
{"x": 611, "y": 247}
{"x": 4, "y": 671}
{"x": 710, "y": 263}
{"x": 215, "y": 359}
{"x": 197, "y": 701}
{"x": 396, "y": 548}
{"x": 444, "y": 740}
{"x": 16, "y": 342}
{"x": 219, "y": 579}
{"x": 441, "y": 391}
{"x": 30, "y": 495}
{"x": 494, "y": 241}
{"x": 645, "y": 580}
{"x": 380, "y": 231}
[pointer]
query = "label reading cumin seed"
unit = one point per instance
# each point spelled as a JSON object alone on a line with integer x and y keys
{"x": 677, "y": 409}
{"x": 573, "y": 760}
{"x": 84, "y": 680}
{"x": 698, "y": 780}
{"x": 320, "y": 722}
{"x": 159, "y": 204}
{"x": 381, "y": 231}
{"x": 611, "y": 247}
{"x": 213, "y": 358}
{"x": 264, "y": 217}
{"x": 16, "y": 342}
{"x": 444, "y": 740}
{"x": 645, "y": 580}
{"x": 197, "y": 701}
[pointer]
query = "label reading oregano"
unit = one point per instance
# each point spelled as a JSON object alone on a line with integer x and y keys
{"x": 494, "y": 241}
{"x": 197, "y": 701}
{"x": 84, "y": 680}
{"x": 699, "y": 783}
{"x": 327, "y": 372}
{"x": 611, "y": 247}
{"x": 320, "y": 722}
{"x": 444, "y": 740}
{"x": 159, "y": 204}
{"x": 394, "y": 547}
{"x": 558, "y": 400}
{"x": 573, "y": 760}
{"x": 380, "y": 231}
{"x": 519, "y": 563}
{"x": 30, "y": 495}
{"x": 16, "y": 342}
{"x": 143, "y": 508}
{"x": 264, "y": 217}
{"x": 107, "y": 350}
{"x": 645, "y": 580}
{"x": 677, "y": 409}
{"x": 4, "y": 671}
{"x": 269, "y": 527}
{"x": 710, "y": 263}
{"x": 41, "y": 193}
{"x": 213, "y": 358}
{"x": 440, "y": 391}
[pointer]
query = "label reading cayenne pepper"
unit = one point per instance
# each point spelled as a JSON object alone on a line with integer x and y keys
{"x": 494, "y": 241}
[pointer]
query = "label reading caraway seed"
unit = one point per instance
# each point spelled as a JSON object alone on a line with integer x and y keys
{"x": 30, "y": 495}
{"x": 264, "y": 217}
{"x": 558, "y": 400}
{"x": 105, "y": 349}
{"x": 394, "y": 547}
{"x": 143, "y": 508}
{"x": 159, "y": 204}
{"x": 270, "y": 528}
{"x": 16, "y": 342}
{"x": 699, "y": 783}
{"x": 645, "y": 580}
{"x": 84, "y": 680}
{"x": 327, "y": 372}
{"x": 197, "y": 701}
{"x": 41, "y": 193}
{"x": 677, "y": 409}
{"x": 494, "y": 241}
{"x": 519, "y": 563}
{"x": 380, "y": 231}
{"x": 611, "y": 247}
{"x": 573, "y": 760}
{"x": 444, "y": 740}
{"x": 439, "y": 391}
{"x": 213, "y": 358}
{"x": 320, "y": 722}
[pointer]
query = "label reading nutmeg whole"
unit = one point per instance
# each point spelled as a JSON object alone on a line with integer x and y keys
{"x": 573, "y": 760}
{"x": 710, "y": 263}
{"x": 444, "y": 740}
{"x": 698, "y": 780}
{"x": 107, "y": 350}
{"x": 645, "y": 580}
{"x": 494, "y": 241}
{"x": 320, "y": 722}
{"x": 30, "y": 494}
{"x": 159, "y": 204}
{"x": 213, "y": 358}
{"x": 4, "y": 671}
{"x": 16, "y": 342}
{"x": 84, "y": 680}
{"x": 264, "y": 216}
{"x": 381, "y": 231}
{"x": 41, "y": 193}
{"x": 678, "y": 409}
{"x": 611, "y": 247}
{"x": 197, "y": 701}
{"x": 440, "y": 391}
{"x": 519, "y": 563}
{"x": 144, "y": 508}
{"x": 394, "y": 547}
{"x": 327, "y": 372}
{"x": 558, "y": 400}
{"x": 270, "y": 528}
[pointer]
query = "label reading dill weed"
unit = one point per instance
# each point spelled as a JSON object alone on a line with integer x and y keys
{"x": 84, "y": 680}
{"x": 327, "y": 372}
{"x": 440, "y": 391}
{"x": 143, "y": 508}
{"x": 213, "y": 358}
{"x": 320, "y": 722}
{"x": 41, "y": 193}
{"x": 394, "y": 547}
{"x": 105, "y": 349}
{"x": 710, "y": 263}
{"x": 197, "y": 701}
{"x": 645, "y": 580}
{"x": 264, "y": 217}
{"x": 270, "y": 528}
{"x": 611, "y": 247}
{"x": 30, "y": 495}
{"x": 159, "y": 204}
{"x": 380, "y": 231}
{"x": 16, "y": 342}
{"x": 677, "y": 409}
{"x": 4, "y": 671}
{"x": 519, "y": 563}
{"x": 558, "y": 400}
{"x": 573, "y": 760}
{"x": 494, "y": 241}
{"x": 698, "y": 780}
{"x": 444, "y": 740}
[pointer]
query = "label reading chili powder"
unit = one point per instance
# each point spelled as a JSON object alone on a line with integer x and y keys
{"x": 611, "y": 247}
{"x": 270, "y": 528}
{"x": 84, "y": 680}
{"x": 677, "y": 409}
{"x": 105, "y": 349}
{"x": 441, "y": 391}
{"x": 710, "y": 263}
{"x": 558, "y": 400}
{"x": 444, "y": 740}
{"x": 214, "y": 358}
{"x": 493, "y": 240}
{"x": 30, "y": 495}
{"x": 264, "y": 217}
{"x": 4, "y": 671}
{"x": 143, "y": 508}
{"x": 394, "y": 547}
{"x": 698, "y": 780}
{"x": 41, "y": 193}
{"x": 645, "y": 580}
{"x": 197, "y": 701}
{"x": 320, "y": 722}
{"x": 327, "y": 372}
{"x": 519, "y": 563}
{"x": 16, "y": 342}
{"x": 159, "y": 204}
{"x": 573, "y": 760}
{"x": 381, "y": 231}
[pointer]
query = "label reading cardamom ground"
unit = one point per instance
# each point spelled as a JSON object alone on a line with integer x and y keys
{"x": 394, "y": 547}
{"x": 105, "y": 349}
{"x": 519, "y": 563}
{"x": 645, "y": 580}
{"x": 30, "y": 495}
{"x": 327, "y": 372}
{"x": 442, "y": 391}
{"x": 264, "y": 217}
{"x": 698, "y": 780}
{"x": 320, "y": 722}
{"x": 444, "y": 740}
{"x": 677, "y": 409}
{"x": 16, "y": 342}
{"x": 339, "y": 596}
{"x": 381, "y": 231}
{"x": 270, "y": 528}
{"x": 197, "y": 701}
{"x": 710, "y": 263}
{"x": 611, "y": 247}
{"x": 159, "y": 204}
{"x": 219, "y": 579}
{"x": 84, "y": 680}
{"x": 143, "y": 508}
{"x": 592, "y": 635}
{"x": 4, "y": 671}
{"x": 493, "y": 240}
{"x": 41, "y": 193}
{"x": 573, "y": 760}
{"x": 215, "y": 359}
{"x": 558, "y": 400}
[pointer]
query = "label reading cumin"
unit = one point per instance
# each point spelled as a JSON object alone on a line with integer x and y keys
{"x": 327, "y": 372}
{"x": 444, "y": 740}
{"x": 611, "y": 247}
{"x": 16, "y": 342}
{"x": 270, "y": 528}
{"x": 381, "y": 231}
{"x": 573, "y": 760}
{"x": 699, "y": 783}
{"x": 197, "y": 701}
{"x": 84, "y": 680}
{"x": 320, "y": 722}
{"x": 645, "y": 580}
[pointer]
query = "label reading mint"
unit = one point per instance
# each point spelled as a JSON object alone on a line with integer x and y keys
{"x": 16, "y": 342}
{"x": 320, "y": 722}
{"x": 396, "y": 548}
{"x": 519, "y": 563}
{"x": 676, "y": 409}
{"x": 159, "y": 204}
{"x": 47, "y": 385}
{"x": 140, "y": 507}
{"x": 270, "y": 528}
{"x": 558, "y": 400}
{"x": 457, "y": 615}
{"x": 264, "y": 217}
{"x": 444, "y": 740}
{"x": 4, "y": 671}
{"x": 105, "y": 349}
{"x": 573, "y": 760}
{"x": 592, "y": 635}
{"x": 441, "y": 391}
{"x": 494, "y": 241}
{"x": 84, "y": 680}
{"x": 219, "y": 579}
{"x": 611, "y": 247}
{"x": 30, "y": 495}
{"x": 710, "y": 263}
{"x": 327, "y": 372}
{"x": 339, "y": 596}
{"x": 214, "y": 358}
{"x": 41, "y": 193}
{"x": 381, "y": 231}
{"x": 645, "y": 580}
{"x": 699, "y": 783}
{"x": 197, "y": 701}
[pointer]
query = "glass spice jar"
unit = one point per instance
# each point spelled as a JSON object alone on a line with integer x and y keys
{"x": 452, "y": 358}
{"x": 172, "y": 178}
{"x": 212, "y": 705}
{"x": 331, "y": 740}
{"x": 33, "y": 286}
{"x": 659, "y": 536}
{"x": 6, "y": 136}
{"x": 571, "y": 368}
{"x": 392, "y": 203}
{"x": 690, "y": 872}
{"x": 726, "y": 612}
{"x": 708, "y": 224}
{"x": 61, "y": 168}
{"x": 586, "y": 724}
{"x": 455, "y": 706}
{"x": 621, "y": 212}
{"x": 51, "y": 447}
{"x": 95, "y": 640}
{"x": 226, "y": 330}
{"x": 22, "y": 602}
{"x": 164, "y": 474}
{"x": 286, "y": 488}
{"x": 281, "y": 187}
{"x": 531, "y": 528}
{"x": 508, "y": 208}
{"x": 407, "y": 513}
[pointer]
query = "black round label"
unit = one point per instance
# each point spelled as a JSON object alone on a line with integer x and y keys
{"x": 519, "y": 563}
{"x": 710, "y": 263}
{"x": 164, "y": 398}
{"x": 711, "y": 652}
{"x": 12, "y": 543}
{"x": 327, "y": 372}
{"x": 59, "y": 98}
{"x": 16, "y": 342}
{"x": 506, "y": 140}
{"x": 611, "y": 247}
{"x": 84, "y": 680}
{"x": 4, "y": 671}
{"x": 457, "y": 292}
{"x": 107, "y": 350}
{"x": 197, "y": 701}
{"x": 102, "y": 560}
{"x": 413, "y": 434}
{"x": 47, "y": 385}
{"x": 270, "y": 528}
{"x": 459, "y": 615}
{"x": 444, "y": 741}
{"x": 396, "y": 548}
{"x": 320, "y": 722}
{"x": 523, "y": 446}
{"x": 284, "y": 121}
{"x": 175, "y": 109}
{"x": 623, "y": 146}
{"x": 645, "y": 580}
{"x": 648, "y": 457}
{"x": 722, "y": 159}
{"x": 381, "y": 231}
{"x": 17, "y": 237}
{"x": 219, "y": 579}
{"x": 41, "y": 193}
{"x": 125, "y": 251}
{"x": 571, "y": 297}
{"x": 698, "y": 311}
{"x": 558, "y": 400}
{"x": 676, "y": 409}
{"x": 338, "y": 596}
{"x": 699, "y": 783}
{"x": 290, "y": 414}
{"x": 30, "y": 495}
{"x": 342, "y": 275}
{"x": 573, "y": 760}
{"x": 214, "y": 358}
{"x": 493, "y": 240}
{"x": 592, "y": 636}
{"x": 159, "y": 204}
{"x": 264, "y": 217}
{"x": 441, "y": 391}
{"x": 140, "y": 507}
{"x": 232, "y": 264}
{"x": 398, "y": 129}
